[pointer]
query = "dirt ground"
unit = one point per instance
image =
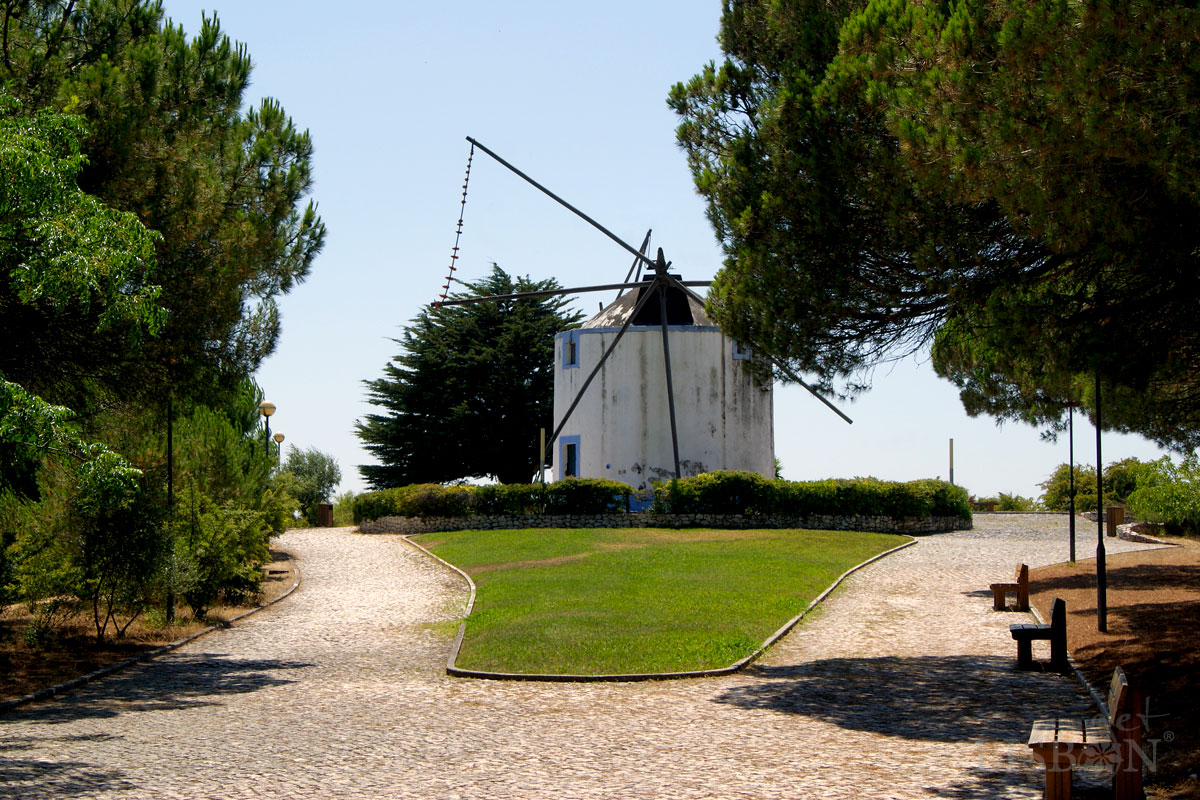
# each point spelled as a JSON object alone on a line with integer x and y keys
{"x": 72, "y": 651}
{"x": 1153, "y": 599}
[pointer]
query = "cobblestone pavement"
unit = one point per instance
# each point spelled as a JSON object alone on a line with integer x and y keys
{"x": 902, "y": 686}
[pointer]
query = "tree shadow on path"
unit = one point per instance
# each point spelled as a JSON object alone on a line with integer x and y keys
{"x": 968, "y": 700}
{"x": 179, "y": 682}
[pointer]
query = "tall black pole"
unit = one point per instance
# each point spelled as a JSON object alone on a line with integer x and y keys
{"x": 267, "y": 437}
{"x": 1101, "y": 575}
{"x": 1071, "y": 471}
{"x": 171, "y": 507}
{"x": 661, "y": 269}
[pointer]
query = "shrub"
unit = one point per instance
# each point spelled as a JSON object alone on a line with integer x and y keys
{"x": 343, "y": 509}
{"x": 572, "y": 496}
{"x": 218, "y": 551}
{"x": 1015, "y": 502}
{"x": 510, "y": 498}
{"x": 732, "y": 492}
{"x": 725, "y": 492}
{"x": 1169, "y": 494}
{"x": 587, "y": 496}
{"x": 722, "y": 492}
{"x": 432, "y": 500}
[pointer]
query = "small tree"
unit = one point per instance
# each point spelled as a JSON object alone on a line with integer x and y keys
{"x": 316, "y": 474}
{"x": 1057, "y": 494}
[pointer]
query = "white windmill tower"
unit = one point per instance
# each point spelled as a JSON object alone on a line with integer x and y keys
{"x": 650, "y": 418}
{"x": 633, "y": 418}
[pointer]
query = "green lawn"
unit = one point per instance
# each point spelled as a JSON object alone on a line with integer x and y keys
{"x": 590, "y": 602}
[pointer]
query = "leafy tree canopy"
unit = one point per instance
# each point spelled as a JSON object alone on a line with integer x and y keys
{"x": 316, "y": 473}
{"x": 63, "y": 254}
{"x": 1017, "y": 180}
{"x": 164, "y": 137}
{"x": 468, "y": 394}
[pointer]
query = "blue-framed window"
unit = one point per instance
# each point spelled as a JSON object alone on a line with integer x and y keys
{"x": 568, "y": 457}
{"x": 740, "y": 351}
{"x": 570, "y": 351}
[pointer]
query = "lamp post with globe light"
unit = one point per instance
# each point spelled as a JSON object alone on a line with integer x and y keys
{"x": 278, "y": 437}
{"x": 267, "y": 409}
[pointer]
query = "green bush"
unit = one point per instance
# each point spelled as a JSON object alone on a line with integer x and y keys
{"x": 732, "y": 492}
{"x": 343, "y": 509}
{"x": 1010, "y": 502}
{"x": 572, "y": 496}
{"x": 725, "y": 492}
{"x": 1169, "y": 493}
{"x": 432, "y": 500}
{"x": 510, "y": 498}
{"x": 587, "y": 496}
{"x": 218, "y": 551}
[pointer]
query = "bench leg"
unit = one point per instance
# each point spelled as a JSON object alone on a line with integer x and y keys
{"x": 1127, "y": 777}
{"x": 998, "y": 598}
{"x": 1025, "y": 654}
{"x": 1058, "y": 781}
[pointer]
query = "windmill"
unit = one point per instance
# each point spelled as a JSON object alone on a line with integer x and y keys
{"x": 665, "y": 302}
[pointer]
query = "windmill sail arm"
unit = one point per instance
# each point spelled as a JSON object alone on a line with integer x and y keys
{"x": 564, "y": 203}
{"x": 608, "y": 287}
{"x": 811, "y": 390}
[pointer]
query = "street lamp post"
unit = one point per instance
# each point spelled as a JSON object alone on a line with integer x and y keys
{"x": 267, "y": 409}
{"x": 1071, "y": 406}
{"x": 1101, "y": 568}
{"x": 279, "y": 441}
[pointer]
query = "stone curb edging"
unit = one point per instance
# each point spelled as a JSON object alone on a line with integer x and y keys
{"x": 458, "y": 672}
{"x": 103, "y": 672}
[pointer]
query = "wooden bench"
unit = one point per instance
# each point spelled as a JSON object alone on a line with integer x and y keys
{"x": 1055, "y": 632}
{"x": 1020, "y": 588}
{"x": 1115, "y": 742}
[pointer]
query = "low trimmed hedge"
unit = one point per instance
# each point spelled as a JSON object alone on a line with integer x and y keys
{"x": 726, "y": 492}
{"x": 733, "y": 492}
{"x": 571, "y": 496}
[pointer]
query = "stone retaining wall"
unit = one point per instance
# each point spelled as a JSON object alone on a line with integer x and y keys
{"x": 648, "y": 520}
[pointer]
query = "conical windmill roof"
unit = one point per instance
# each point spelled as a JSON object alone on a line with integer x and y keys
{"x": 682, "y": 309}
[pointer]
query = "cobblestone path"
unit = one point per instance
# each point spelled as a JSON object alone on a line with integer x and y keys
{"x": 902, "y": 686}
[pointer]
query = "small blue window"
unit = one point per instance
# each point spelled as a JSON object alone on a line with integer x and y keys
{"x": 740, "y": 351}
{"x": 568, "y": 457}
{"x": 570, "y": 354}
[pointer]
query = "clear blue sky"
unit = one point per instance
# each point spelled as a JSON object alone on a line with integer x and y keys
{"x": 574, "y": 95}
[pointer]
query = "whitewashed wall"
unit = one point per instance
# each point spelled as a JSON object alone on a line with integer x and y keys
{"x": 725, "y": 419}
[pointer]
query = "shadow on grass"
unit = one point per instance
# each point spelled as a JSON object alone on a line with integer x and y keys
{"x": 176, "y": 683}
{"x": 974, "y": 701}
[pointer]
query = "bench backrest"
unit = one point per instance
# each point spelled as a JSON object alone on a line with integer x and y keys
{"x": 1118, "y": 693}
{"x": 1022, "y": 575}
{"x": 1058, "y": 616}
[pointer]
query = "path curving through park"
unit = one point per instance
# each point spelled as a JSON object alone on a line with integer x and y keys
{"x": 901, "y": 686}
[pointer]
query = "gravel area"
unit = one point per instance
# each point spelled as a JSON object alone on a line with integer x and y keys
{"x": 902, "y": 685}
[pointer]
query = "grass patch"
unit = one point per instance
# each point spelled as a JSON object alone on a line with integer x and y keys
{"x": 592, "y": 602}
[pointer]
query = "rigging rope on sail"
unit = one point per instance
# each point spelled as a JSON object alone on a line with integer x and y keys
{"x": 458, "y": 233}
